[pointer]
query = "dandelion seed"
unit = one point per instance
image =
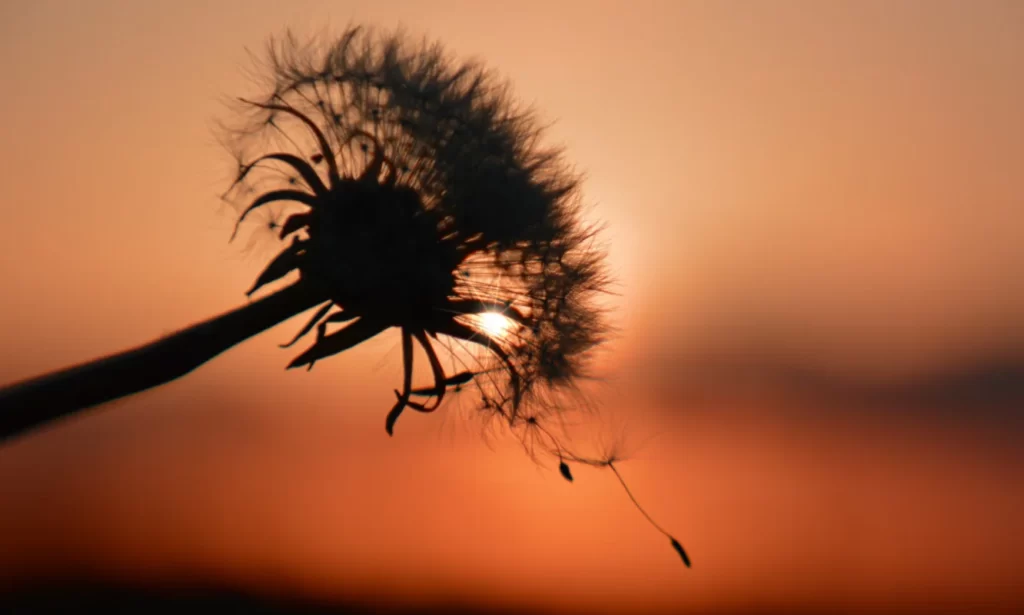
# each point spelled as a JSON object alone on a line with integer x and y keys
{"x": 679, "y": 549}
{"x": 564, "y": 469}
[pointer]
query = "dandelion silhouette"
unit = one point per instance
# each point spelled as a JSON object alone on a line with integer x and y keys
{"x": 408, "y": 191}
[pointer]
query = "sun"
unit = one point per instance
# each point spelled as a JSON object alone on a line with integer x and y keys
{"x": 494, "y": 324}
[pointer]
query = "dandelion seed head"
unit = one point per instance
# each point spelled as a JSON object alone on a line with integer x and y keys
{"x": 421, "y": 194}
{"x": 433, "y": 204}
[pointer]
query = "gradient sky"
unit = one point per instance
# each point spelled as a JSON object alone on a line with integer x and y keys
{"x": 816, "y": 216}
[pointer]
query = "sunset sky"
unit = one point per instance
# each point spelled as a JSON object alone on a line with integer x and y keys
{"x": 816, "y": 221}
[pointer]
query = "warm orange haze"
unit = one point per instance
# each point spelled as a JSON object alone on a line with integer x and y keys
{"x": 816, "y": 222}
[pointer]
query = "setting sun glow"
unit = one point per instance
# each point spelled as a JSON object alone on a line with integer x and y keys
{"x": 495, "y": 324}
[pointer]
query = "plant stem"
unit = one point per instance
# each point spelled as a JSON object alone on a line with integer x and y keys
{"x": 31, "y": 403}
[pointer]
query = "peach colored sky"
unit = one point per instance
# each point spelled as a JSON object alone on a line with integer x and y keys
{"x": 817, "y": 219}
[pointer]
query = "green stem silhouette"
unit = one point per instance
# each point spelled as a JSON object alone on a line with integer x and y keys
{"x": 31, "y": 403}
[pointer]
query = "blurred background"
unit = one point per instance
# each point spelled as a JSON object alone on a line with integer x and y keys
{"x": 816, "y": 218}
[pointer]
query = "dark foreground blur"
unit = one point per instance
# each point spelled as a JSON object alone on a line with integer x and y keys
{"x": 81, "y": 599}
{"x": 108, "y": 599}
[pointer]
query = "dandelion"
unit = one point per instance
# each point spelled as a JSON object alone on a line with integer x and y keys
{"x": 425, "y": 204}
{"x": 405, "y": 190}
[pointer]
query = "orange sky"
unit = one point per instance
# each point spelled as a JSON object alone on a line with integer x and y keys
{"x": 817, "y": 220}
